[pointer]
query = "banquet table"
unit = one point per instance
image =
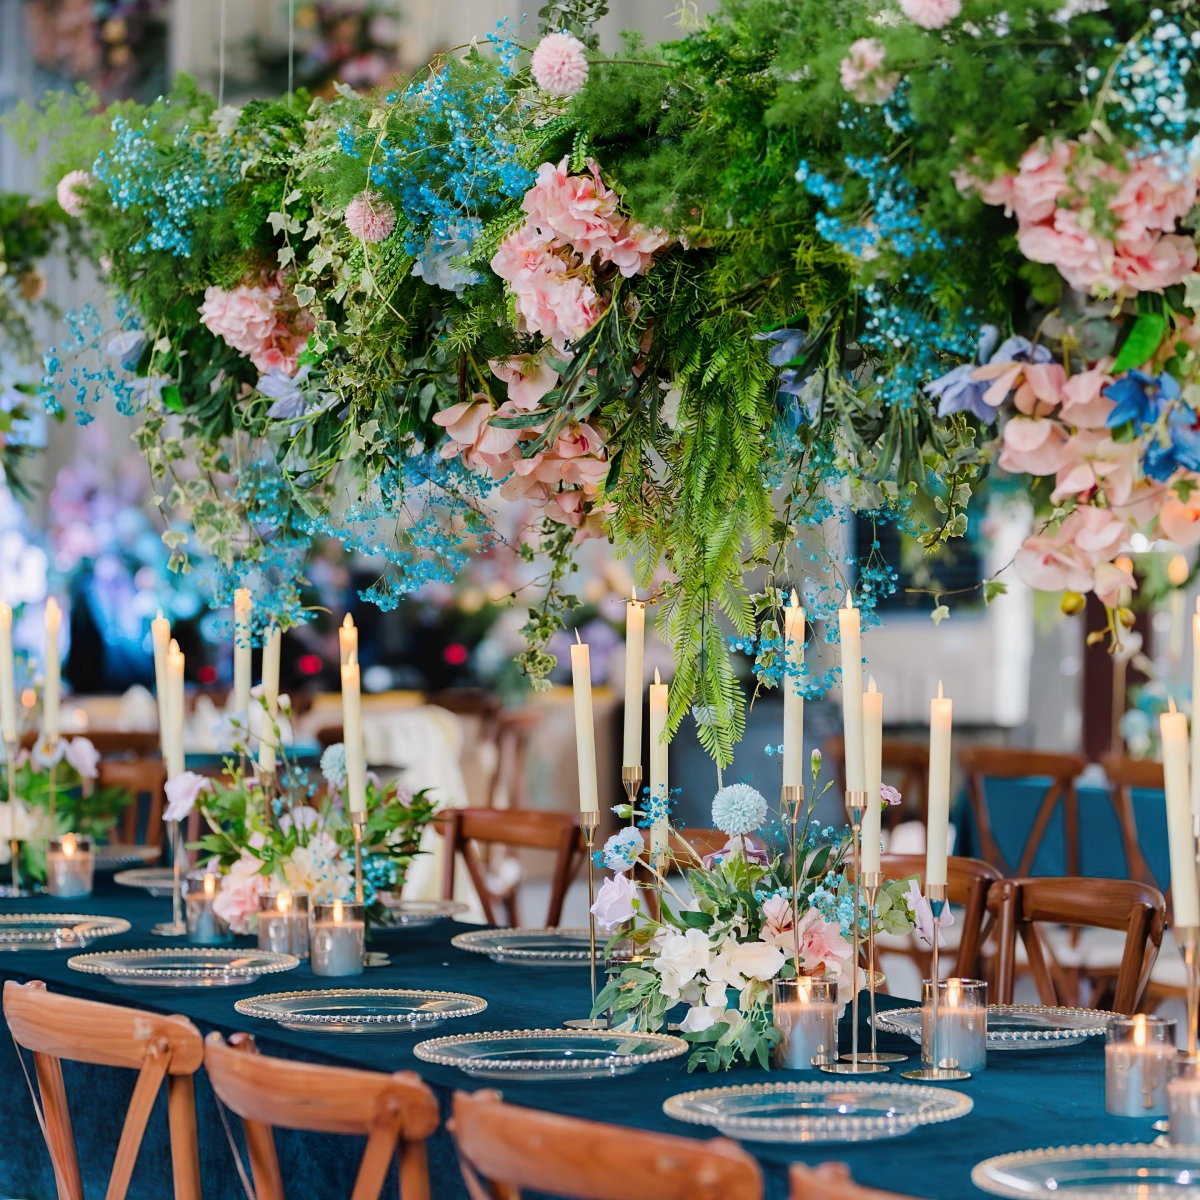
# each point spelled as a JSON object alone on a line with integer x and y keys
{"x": 1023, "y": 1100}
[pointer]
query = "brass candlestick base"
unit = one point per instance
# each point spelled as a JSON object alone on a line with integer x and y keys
{"x": 589, "y": 822}
{"x": 631, "y": 781}
{"x": 1188, "y": 938}
{"x": 358, "y": 823}
{"x": 176, "y": 926}
{"x": 855, "y": 1063}
{"x": 10, "y": 759}
{"x": 791, "y": 800}
{"x": 945, "y": 1069}
{"x": 872, "y": 882}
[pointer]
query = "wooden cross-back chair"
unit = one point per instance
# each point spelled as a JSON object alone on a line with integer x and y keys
{"x": 503, "y": 1149}
{"x": 394, "y": 1112}
{"x": 1128, "y": 775}
{"x": 523, "y": 828}
{"x": 138, "y": 776}
{"x": 981, "y": 763}
{"x": 686, "y": 845}
{"x": 55, "y": 1027}
{"x": 905, "y": 762}
{"x": 830, "y": 1181}
{"x": 1020, "y": 905}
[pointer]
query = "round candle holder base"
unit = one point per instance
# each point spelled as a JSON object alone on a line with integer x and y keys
{"x": 170, "y": 929}
{"x": 936, "y": 1074}
{"x": 877, "y": 1056}
{"x": 586, "y": 1023}
{"x": 862, "y": 1067}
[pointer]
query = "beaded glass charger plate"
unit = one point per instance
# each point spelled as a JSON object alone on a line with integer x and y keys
{"x": 116, "y": 855}
{"x": 537, "y": 947}
{"x": 55, "y": 931}
{"x": 550, "y": 1053}
{"x": 158, "y": 881}
{"x": 1014, "y": 1026}
{"x": 188, "y": 967}
{"x": 1115, "y": 1172}
{"x": 416, "y": 914}
{"x": 361, "y": 1010}
{"x": 818, "y": 1112}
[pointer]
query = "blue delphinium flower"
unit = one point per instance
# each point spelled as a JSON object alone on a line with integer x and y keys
{"x": 739, "y": 809}
{"x": 1140, "y": 398}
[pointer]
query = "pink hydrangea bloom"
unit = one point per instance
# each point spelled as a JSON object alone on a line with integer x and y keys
{"x": 861, "y": 72}
{"x": 931, "y": 14}
{"x": 579, "y": 209}
{"x": 559, "y": 64}
{"x": 633, "y": 248}
{"x": 68, "y": 192}
{"x": 370, "y": 217}
{"x": 259, "y": 322}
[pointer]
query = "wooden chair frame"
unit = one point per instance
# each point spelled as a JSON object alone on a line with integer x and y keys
{"x": 909, "y": 760}
{"x": 55, "y": 1027}
{"x": 1126, "y": 775}
{"x": 394, "y": 1112}
{"x": 830, "y": 1181}
{"x": 1121, "y": 904}
{"x": 138, "y": 776}
{"x": 990, "y": 762}
{"x": 502, "y": 1149}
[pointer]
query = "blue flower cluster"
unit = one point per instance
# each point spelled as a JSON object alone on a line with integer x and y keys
{"x": 621, "y": 851}
{"x": 1154, "y": 403}
{"x": 67, "y": 375}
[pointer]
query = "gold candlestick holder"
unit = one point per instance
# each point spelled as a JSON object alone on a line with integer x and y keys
{"x": 631, "y": 781}
{"x": 791, "y": 800}
{"x": 1188, "y": 937}
{"x": 10, "y": 760}
{"x": 589, "y": 822}
{"x": 947, "y": 1069}
{"x": 872, "y": 882}
{"x": 176, "y": 926}
{"x": 358, "y": 823}
{"x": 52, "y": 744}
{"x": 855, "y": 1063}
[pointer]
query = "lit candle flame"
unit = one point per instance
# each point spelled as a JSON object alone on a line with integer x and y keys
{"x": 871, "y": 684}
{"x": 69, "y": 845}
{"x": 210, "y": 884}
{"x": 339, "y": 912}
{"x": 953, "y": 993}
{"x": 656, "y": 678}
{"x": 283, "y": 902}
{"x": 1139, "y": 1029}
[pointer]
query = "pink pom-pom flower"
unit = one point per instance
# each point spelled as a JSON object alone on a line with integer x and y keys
{"x": 370, "y": 217}
{"x": 559, "y": 64}
{"x": 931, "y": 14}
{"x": 68, "y": 192}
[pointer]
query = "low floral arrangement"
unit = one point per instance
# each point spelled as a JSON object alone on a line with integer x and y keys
{"x": 723, "y": 937}
{"x": 299, "y": 840}
{"x": 79, "y": 805}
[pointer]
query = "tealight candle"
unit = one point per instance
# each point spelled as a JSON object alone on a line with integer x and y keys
{"x": 283, "y": 922}
{"x": 961, "y": 1024}
{"x": 805, "y": 1013}
{"x": 1139, "y": 1054}
{"x": 338, "y": 932}
{"x": 1183, "y": 1102}
{"x": 204, "y": 926}
{"x": 69, "y": 865}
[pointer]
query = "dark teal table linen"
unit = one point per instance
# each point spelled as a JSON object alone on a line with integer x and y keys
{"x": 1023, "y": 1100}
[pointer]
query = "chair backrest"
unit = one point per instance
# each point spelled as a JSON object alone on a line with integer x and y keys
{"x": 391, "y": 1111}
{"x": 516, "y": 827}
{"x": 512, "y": 729}
{"x": 138, "y": 777}
{"x": 968, "y": 881}
{"x": 981, "y": 763}
{"x": 1020, "y": 905}
{"x": 905, "y": 766}
{"x": 114, "y": 743}
{"x": 502, "y": 1149}
{"x": 831, "y": 1181}
{"x": 55, "y": 1027}
{"x": 1128, "y": 775}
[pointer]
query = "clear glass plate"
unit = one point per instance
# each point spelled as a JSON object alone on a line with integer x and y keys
{"x": 115, "y": 855}
{"x": 1115, "y": 1172}
{"x": 818, "y": 1112}
{"x": 158, "y": 881}
{"x": 55, "y": 931}
{"x": 186, "y": 967}
{"x": 550, "y": 1053}
{"x": 416, "y": 914}
{"x": 538, "y": 947}
{"x": 361, "y": 1010}
{"x": 1014, "y": 1026}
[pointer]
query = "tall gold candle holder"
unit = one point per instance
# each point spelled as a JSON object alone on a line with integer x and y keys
{"x": 589, "y": 822}
{"x": 177, "y": 925}
{"x": 631, "y": 781}
{"x": 52, "y": 745}
{"x": 358, "y": 823}
{"x": 855, "y": 1063}
{"x": 10, "y": 760}
{"x": 1188, "y": 938}
{"x": 872, "y": 882}
{"x": 791, "y": 800}
{"x": 935, "y": 893}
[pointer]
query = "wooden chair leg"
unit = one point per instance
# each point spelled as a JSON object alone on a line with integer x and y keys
{"x": 185, "y": 1151}
{"x": 377, "y": 1158}
{"x": 260, "y": 1141}
{"x": 414, "y": 1171}
{"x": 59, "y": 1136}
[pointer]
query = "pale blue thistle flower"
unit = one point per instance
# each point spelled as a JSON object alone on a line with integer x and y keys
{"x": 739, "y": 809}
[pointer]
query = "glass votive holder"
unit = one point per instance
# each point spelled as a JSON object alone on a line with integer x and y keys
{"x": 204, "y": 926}
{"x": 339, "y": 931}
{"x": 1183, "y": 1102}
{"x": 961, "y": 1034}
{"x": 805, "y": 1011}
{"x": 283, "y": 922}
{"x": 1139, "y": 1059}
{"x": 70, "y": 863}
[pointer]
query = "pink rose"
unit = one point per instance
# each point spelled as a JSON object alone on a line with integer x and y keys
{"x": 1041, "y": 178}
{"x": 1150, "y": 199}
{"x": 1166, "y": 262}
{"x": 244, "y": 317}
{"x": 860, "y": 72}
{"x": 84, "y": 757}
{"x": 237, "y": 897}
{"x": 614, "y": 901}
{"x": 525, "y": 254}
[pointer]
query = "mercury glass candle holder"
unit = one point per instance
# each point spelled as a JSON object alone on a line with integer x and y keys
{"x": 961, "y": 1035}
{"x": 338, "y": 933}
{"x": 70, "y": 863}
{"x": 283, "y": 922}
{"x": 805, "y": 1011}
{"x": 1139, "y": 1060}
{"x": 1183, "y": 1102}
{"x": 204, "y": 926}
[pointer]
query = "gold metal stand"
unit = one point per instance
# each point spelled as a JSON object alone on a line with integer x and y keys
{"x": 791, "y": 800}
{"x": 358, "y": 822}
{"x": 631, "y": 780}
{"x": 854, "y": 1063}
{"x": 176, "y": 926}
{"x": 1188, "y": 937}
{"x": 946, "y": 1069}
{"x": 10, "y": 759}
{"x": 872, "y": 882}
{"x": 52, "y": 742}
{"x": 589, "y": 822}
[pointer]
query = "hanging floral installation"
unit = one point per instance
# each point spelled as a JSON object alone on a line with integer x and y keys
{"x": 702, "y": 299}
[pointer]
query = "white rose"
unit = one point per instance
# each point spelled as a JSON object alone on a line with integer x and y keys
{"x": 682, "y": 958}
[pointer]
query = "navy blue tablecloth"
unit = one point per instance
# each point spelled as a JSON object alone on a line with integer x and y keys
{"x": 1022, "y": 1100}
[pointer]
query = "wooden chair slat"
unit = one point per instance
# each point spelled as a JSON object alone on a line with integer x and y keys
{"x": 145, "y": 1091}
{"x": 830, "y": 1181}
{"x": 907, "y": 761}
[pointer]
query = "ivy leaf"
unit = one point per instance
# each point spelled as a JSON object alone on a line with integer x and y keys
{"x": 993, "y": 588}
{"x": 1143, "y": 340}
{"x": 939, "y": 614}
